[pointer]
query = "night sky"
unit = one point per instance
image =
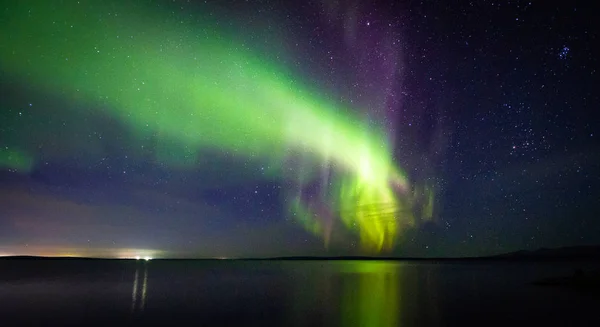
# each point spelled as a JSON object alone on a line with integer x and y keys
{"x": 257, "y": 128}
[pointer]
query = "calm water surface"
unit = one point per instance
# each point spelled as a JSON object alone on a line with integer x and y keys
{"x": 288, "y": 293}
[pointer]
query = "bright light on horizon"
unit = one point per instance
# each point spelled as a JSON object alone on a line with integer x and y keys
{"x": 74, "y": 252}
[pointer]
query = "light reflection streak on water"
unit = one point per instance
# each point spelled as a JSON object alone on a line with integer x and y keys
{"x": 375, "y": 301}
{"x": 136, "y": 295}
{"x": 144, "y": 288}
{"x": 134, "y": 291}
{"x": 351, "y": 293}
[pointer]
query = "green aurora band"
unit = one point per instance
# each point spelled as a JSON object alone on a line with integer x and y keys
{"x": 15, "y": 160}
{"x": 193, "y": 89}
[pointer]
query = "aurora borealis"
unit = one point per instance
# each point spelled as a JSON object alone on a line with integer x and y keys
{"x": 210, "y": 122}
{"x": 206, "y": 92}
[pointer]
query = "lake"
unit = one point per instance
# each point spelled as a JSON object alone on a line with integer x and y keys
{"x": 288, "y": 293}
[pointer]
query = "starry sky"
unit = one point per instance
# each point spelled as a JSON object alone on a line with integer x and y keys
{"x": 260, "y": 128}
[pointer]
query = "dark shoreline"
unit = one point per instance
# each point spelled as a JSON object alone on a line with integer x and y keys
{"x": 573, "y": 253}
{"x": 387, "y": 259}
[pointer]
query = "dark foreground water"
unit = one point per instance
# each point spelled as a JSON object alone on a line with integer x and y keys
{"x": 288, "y": 293}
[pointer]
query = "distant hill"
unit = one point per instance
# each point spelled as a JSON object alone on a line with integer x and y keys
{"x": 564, "y": 253}
{"x": 571, "y": 252}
